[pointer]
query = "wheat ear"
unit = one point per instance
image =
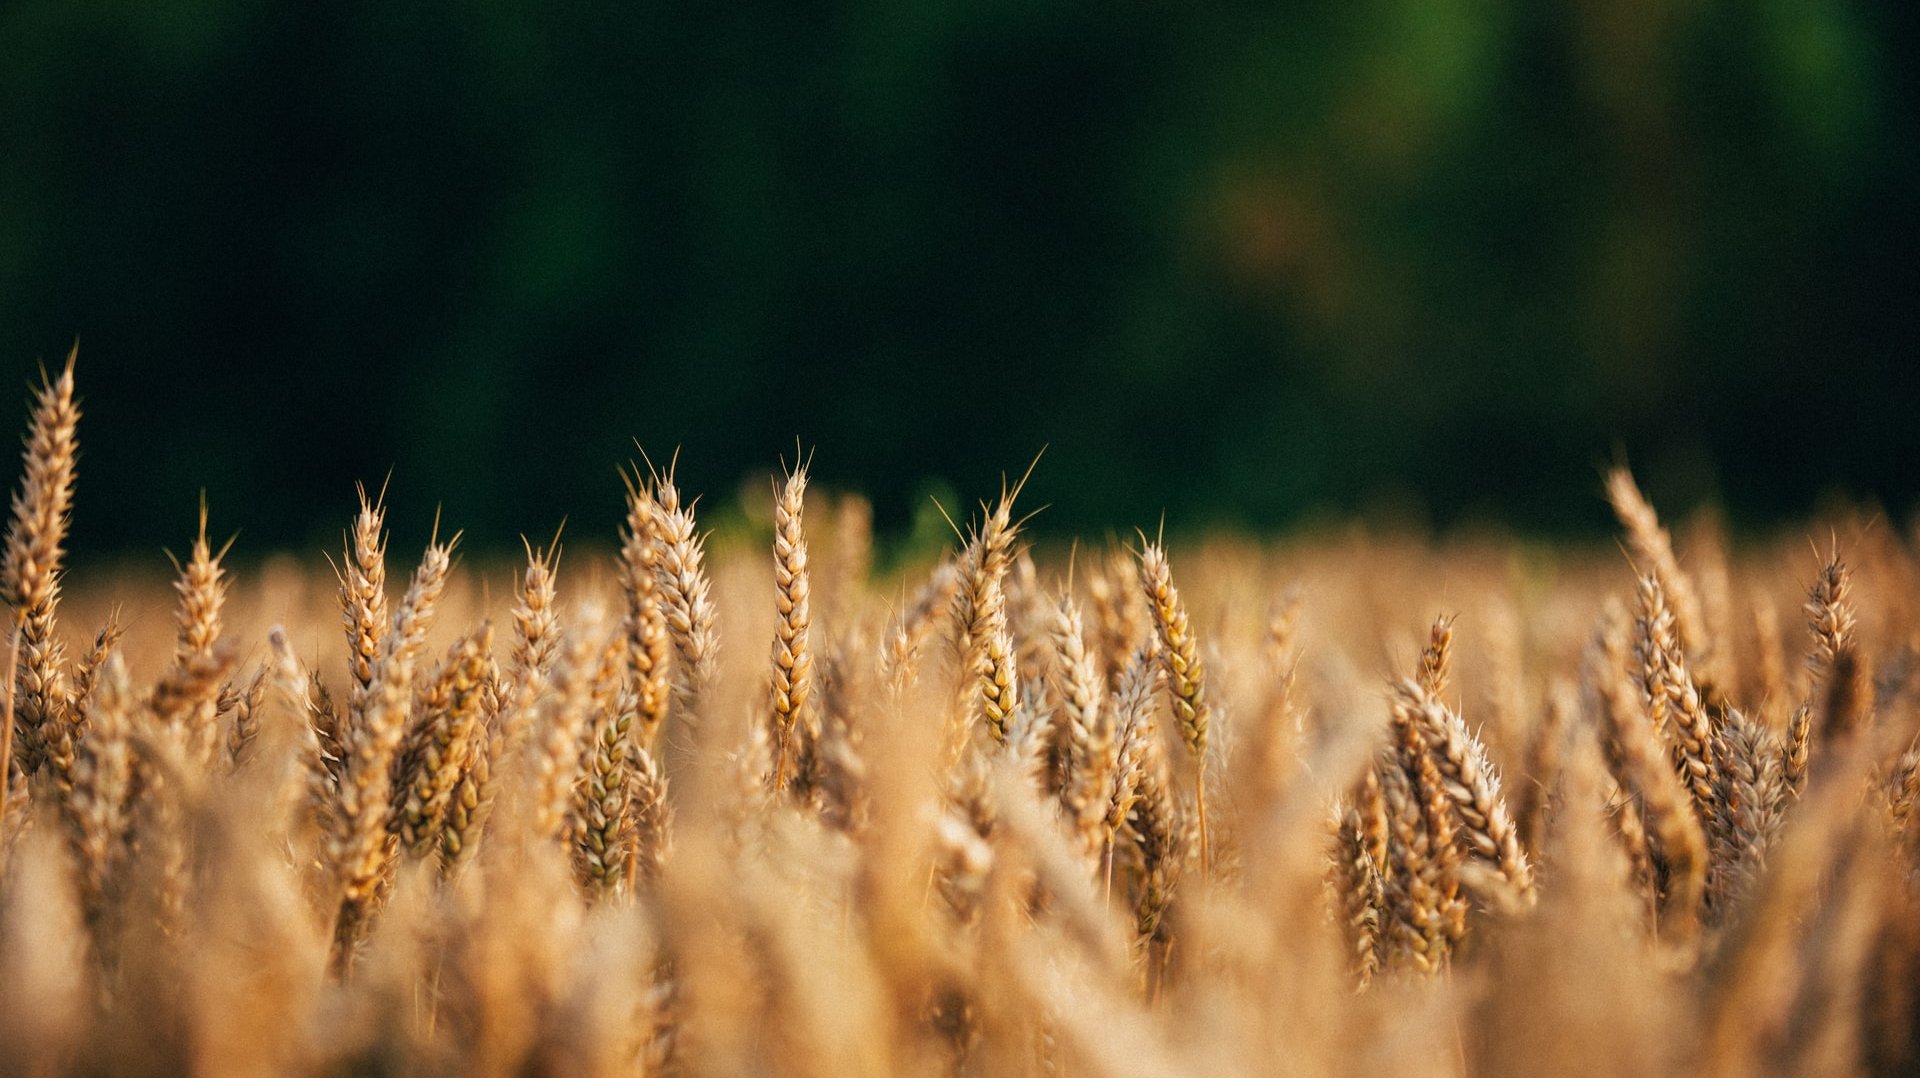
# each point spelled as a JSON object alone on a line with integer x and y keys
{"x": 1186, "y": 677}
{"x": 358, "y": 849}
{"x": 1832, "y": 667}
{"x": 507, "y": 724}
{"x": 536, "y": 640}
{"x": 437, "y": 750}
{"x": 982, "y": 636}
{"x": 1470, "y": 782}
{"x": 1672, "y": 698}
{"x": 792, "y": 658}
{"x": 1091, "y": 748}
{"x": 682, "y": 576}
{"x": 1633, "y": 755}
{"x": 1436, "y": 658}
{"x": 201, "y": 586}
{"x": 30, "y": 565}
{"x": 650, "y": 650}
{"x": 363, "y": 599}
{"x": 566, "y": 718}
{"x": 96, "y": 808}
{"x": 1653, "y": 551}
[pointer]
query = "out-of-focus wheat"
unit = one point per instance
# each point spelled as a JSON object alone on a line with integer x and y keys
{"x": 1133, "y": 828}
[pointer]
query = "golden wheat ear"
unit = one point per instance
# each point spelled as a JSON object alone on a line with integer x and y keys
{"x": 31, "y": 561}
{"x": 792, "y": 653}
{"x": 358, "y": 849}
{"x": 681, "y": 575}
{"x": 1185, "y": 674}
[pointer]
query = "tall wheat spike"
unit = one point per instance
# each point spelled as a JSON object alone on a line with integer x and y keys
{"x": 682, "y": 578}
{"x": 650, "y": 651}
{"x": 30, "y": 566}
{"x": 359, "y": 849}
{"x": 982, "y": 634}
{"x": 1186, "y": 677}
{"x": 202, "y": 589}
{"x": 792, "y": 655}
{"x": 1653, "y": 551}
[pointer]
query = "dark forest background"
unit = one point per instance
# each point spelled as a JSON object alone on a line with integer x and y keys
{"x": 1246, "y": 264}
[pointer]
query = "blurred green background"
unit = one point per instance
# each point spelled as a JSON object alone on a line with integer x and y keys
{"x": 1240, "y": 263}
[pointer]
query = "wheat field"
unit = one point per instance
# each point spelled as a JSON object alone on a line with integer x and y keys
{"x": 1348, "y": 804}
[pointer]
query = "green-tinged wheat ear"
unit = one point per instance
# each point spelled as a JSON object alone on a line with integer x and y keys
{"x": 30, "y": 565}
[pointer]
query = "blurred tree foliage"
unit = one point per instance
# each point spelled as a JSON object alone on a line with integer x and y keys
{"x": 1240, "y": 262}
